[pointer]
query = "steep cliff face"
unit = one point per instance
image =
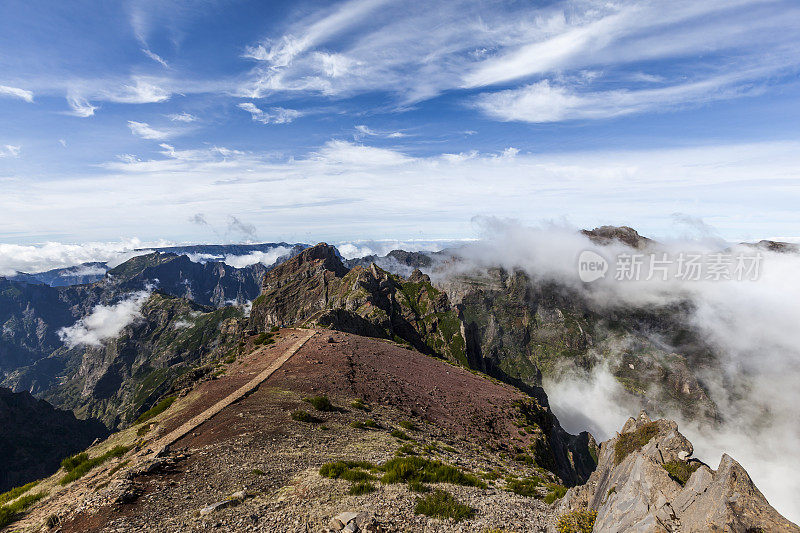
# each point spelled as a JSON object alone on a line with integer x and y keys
{"x": 523, "y": 330}
{"x": 211, "y": 283}
{"x": 647, "y": 481}
{"x": 316, "y": 288}
{"x": 124, "y": 376}
{"x": 35, "y": 437}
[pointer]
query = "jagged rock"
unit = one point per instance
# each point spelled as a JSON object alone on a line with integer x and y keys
{"x": 316, "y": 288}
{"x": 631, "y": 490}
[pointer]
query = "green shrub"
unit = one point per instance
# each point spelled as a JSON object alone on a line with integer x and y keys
{"x": 406, "y": 469}
{"x": 576, "y": 522}
{"x": 398, "y": 434}
{"x": 82, "y": 468}
{"x": 156, "y": 410}
{"x": 371, "y": 424}
{"x": 9, "y": 513}
{"x": 556, "y": 493}
{"x": 274, "y": 329}
{"x": 264, "y": 338}
{"x": 357, "y": 425}
{"x": 633, "y": 440}
{"x": 70, "y": 463}
{"x": 305, "y": 416}
{"x": 408, "y": 424}
{"x": 441, "y": 504}
{"x": 16, "y": 491}
{"x": 258, "y": 472}
{"x": 680, "y": 471}
{"x": 363, "y": 487}
{"x": 320, "y": 403}
{"x": 524, "y": 487}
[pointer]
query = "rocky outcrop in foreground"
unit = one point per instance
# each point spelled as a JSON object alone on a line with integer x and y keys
{"x": 646, "y": 481}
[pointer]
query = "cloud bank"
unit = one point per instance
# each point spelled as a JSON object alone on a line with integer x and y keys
{"x": 751, "y": 326}
{"x": 105, "y": 321}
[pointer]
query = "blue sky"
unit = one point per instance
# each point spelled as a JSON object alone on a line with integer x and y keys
{"x": 370, "y": 119}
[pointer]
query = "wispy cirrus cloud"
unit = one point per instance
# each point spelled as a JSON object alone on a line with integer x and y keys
{"x": 461, "y": 46}
{"x": 182, "y": 117}
{"x": 275, "y": 115}
{"x": 554, "y": 102}
{"x": 365, "y": 131}
{"x": 80, "y": 106}
{"x": 16, "y": 92}
{"x": 10, "y": 150}
{"x": 143, "y": 130}
{"x": 155, "y": 57}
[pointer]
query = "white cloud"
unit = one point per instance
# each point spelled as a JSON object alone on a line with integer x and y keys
{"x": 5, "y": 90}
{"x": 141, "y": 91}
{"x": 751, "y": 189}
{"x": 143, "y": 130}
{"x": 80, "y": 106}
{"x": 364, "y": 131}
{"x": 753, "y": 384}
{"x": 546, "y": 102}
{"x": 47, "y": 256}
{"x": 105, "y": 321}
{"x": 155, "y": 57}
{"x": 416, "y": 53}
{"x": 182, "y": 117}
{"x": 9, "y": 150}
{"x": 276, "y": 115}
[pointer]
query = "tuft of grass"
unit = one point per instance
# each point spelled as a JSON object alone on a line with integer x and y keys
{"x": 406, "y": 469}
{"x": 408, "y": 424}
{"x": 576, "y": 522}
{"x": 84, "y": 467}
{"x": 680, "y": 471}
{"x": 361, "y": 488}
{"x": 320, "y": 403}
{"x": 406, "y": 449}
{"x": 145, "y": 428}
{"x": 156, "y": 410}
{"x": 556, "y": 493}
{"x": 441, "y": 504}
{"x": 399, "y": 434}
{"x": 117, "y": 468}
{"x": 524, "y": 487}
{"x": 17, "y": 491}
{"x": 628, "y": 443}
{"x": 258, "y": 472}
{"x": 305, "y": 416}
{"x": 11, "y": 512}
{"x": 264, "y": 338}
{"x": 354, "y": 471}
{"x": 420, "y": 488}
{"x": 371, "y": 424}
{"x": 70, "y": 463}
{"x": 358, "y": 403}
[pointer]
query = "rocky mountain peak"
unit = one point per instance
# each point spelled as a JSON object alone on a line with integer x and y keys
{"x": 624, "y": 234}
